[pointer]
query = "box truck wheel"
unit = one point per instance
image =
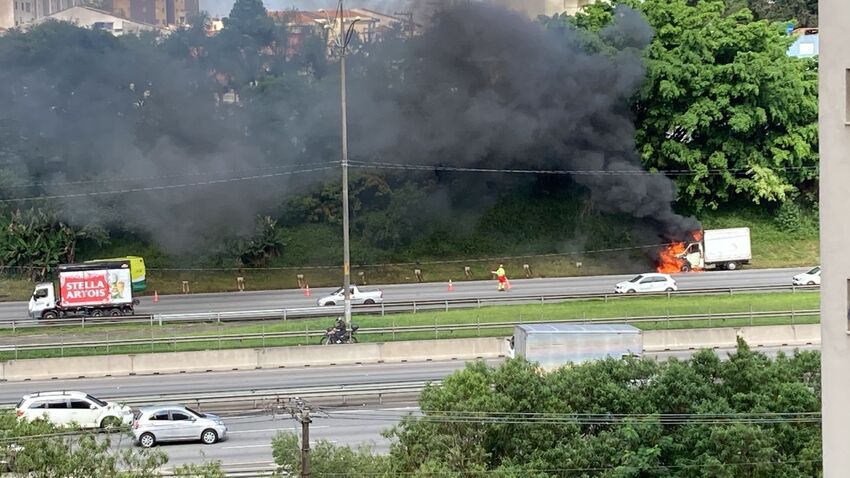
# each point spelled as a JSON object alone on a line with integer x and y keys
{"x": 97, "y": 313}
{"x": 686, "y": 268}
{"x": 731, "y": 266}
{"x": 50, "y": 315}
{"x": 114, "y": 312}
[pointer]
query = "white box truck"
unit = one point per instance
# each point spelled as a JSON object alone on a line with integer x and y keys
{"x": 85, "y": 290}
{"x": 555, "y": 345}
{"x": 719, "y": 249}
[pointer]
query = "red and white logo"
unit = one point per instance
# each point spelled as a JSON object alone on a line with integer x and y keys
{"x": 84, "y": 287}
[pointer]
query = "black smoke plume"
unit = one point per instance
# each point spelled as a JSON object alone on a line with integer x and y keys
{"x": 482, "y": 87}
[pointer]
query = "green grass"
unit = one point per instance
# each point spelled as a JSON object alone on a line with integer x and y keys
{"x": 577, "y": 310}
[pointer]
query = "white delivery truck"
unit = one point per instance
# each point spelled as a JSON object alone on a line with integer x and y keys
{"x": 719, "y": 249}
{"x": 85, "y": 290}
{"x": 555, "y": 345}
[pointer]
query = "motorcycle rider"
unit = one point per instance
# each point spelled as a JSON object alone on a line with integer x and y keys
{"x": 338, "y": 332}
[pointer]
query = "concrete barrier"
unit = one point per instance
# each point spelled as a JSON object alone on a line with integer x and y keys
{"x": 755, "y": 336}
{"x": 404, "y": 351}
{"x": 249, "y": 359}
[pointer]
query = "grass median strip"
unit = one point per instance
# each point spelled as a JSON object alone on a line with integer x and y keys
{"x": 165, "y": 338}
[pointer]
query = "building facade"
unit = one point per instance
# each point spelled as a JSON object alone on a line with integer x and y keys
{"x": 89, "y": 17}
{"x": 27, "y": 11}
{"x": 535, "y": 8}
{"x": 7, "y": 13}
{"x": 834, "y": 130}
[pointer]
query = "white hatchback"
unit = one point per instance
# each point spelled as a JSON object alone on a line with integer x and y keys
{"x": 811, "y": 277}
{"x": 649, "y": 282}
{"x": 66, "y": 409}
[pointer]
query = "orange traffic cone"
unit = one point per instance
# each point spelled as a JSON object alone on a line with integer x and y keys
{"x": 307, "y": 290}
{"x": 155, "y": 297}
{"x": 451, "y": 286}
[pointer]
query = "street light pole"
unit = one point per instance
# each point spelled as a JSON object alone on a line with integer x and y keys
{"x": 346, "y": 259}
{"x": 342, "y": 44}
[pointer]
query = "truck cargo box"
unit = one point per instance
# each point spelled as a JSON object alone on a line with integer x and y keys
{"x": 727, "y": 245}
{"x": 95, "y": 284}
{"x": 554, "y": 345}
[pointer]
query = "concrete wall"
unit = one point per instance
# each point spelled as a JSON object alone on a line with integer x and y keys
{"x": 7, "y": 13}
{"x": 405, "y": 351}
{"x": 249, "y": 359}
{"x": 834, "y": 130}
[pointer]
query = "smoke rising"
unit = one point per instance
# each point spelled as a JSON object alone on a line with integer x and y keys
{"x": 482, "y": 87}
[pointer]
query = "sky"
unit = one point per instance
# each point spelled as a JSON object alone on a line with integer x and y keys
{"x": 222, "y": 7}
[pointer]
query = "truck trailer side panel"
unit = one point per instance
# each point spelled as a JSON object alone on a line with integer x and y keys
{"x": 82, "y": 288}
{"x": 727, "y": 245}
{"x": 554, "y": 345}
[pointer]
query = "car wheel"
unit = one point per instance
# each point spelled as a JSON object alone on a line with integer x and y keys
{"x": 669, "y": 289}
{"x": 810, "y": 283}
{"x": 209, "y": 437}
{"x": 147, "y": 440}
{"x": 330, "y": 304}
{"x": 631, "y": 291}
{"x": 368, "y": 302}
{"x": 731, "y": 266}
{"x": 110, "y": 423}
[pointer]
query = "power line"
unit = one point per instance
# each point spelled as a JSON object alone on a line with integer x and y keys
{"x": 165, "y": 187}
{"x": 156, "y": 178}
{"x": 565, "y": 172}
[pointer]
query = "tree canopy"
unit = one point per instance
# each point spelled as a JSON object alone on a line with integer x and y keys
{"x": 748, "y": 416}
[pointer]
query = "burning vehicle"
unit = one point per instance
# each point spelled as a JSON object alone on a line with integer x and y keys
{"x": 711, "y": 249}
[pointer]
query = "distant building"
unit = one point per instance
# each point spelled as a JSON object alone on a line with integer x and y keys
{"x": 807, "y": 44}
{"x": 7, "y": 14}
{"x": 27, "y": 11}
{"x": 535, "y": 8}
{"x": 157, "y": 12}
{"x": 92, "y": 18}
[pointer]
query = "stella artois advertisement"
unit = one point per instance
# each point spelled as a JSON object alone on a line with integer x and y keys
{"x": 106, "y": 286}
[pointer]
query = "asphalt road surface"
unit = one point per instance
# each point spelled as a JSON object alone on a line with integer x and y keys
{"x": 294, "y": 298}
{"x": 250, "y": 435}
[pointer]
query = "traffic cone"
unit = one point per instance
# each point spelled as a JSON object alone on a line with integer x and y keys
{"x": 451, "y": 286}
{"x": 155, "y": 297}
{"x": 307, "y": 290}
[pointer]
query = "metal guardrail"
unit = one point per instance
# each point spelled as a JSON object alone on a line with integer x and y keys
{"x": 435, "y": 328}
{"x": 266, "y": 398}
{"x": 387, "y": 307}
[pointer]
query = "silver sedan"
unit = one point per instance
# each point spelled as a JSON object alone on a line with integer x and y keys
{"x": 166, "y": 423}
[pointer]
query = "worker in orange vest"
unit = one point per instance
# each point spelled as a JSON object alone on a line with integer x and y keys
{"x": 500, "y": 275}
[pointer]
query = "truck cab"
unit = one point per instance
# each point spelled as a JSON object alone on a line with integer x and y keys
{"x": 43, "y": 298}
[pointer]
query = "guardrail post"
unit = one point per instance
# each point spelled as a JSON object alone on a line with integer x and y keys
{"x": 792, "y": 314}
{"x": 306, "y": 333}
{"x": 478, "y": 322}
{"x": 382, "y": 309}
{"x": 478, "y": 303}
{"x": 751, "y": 314}
{"x": 436, "y": 333}
{"x": 447, "y": 305}
{"x": 13, "y": 326}
{"x": 414, "y": 306}
{"x": 83, "y": 321}
{"x": 392, "y": 324}
{"x": 264, "y": 334}
{"x": 709, "y": 317}
{"x": 218, "y": 318}
{"x": 284, "y": 314}
{"x": 107, "y": 343}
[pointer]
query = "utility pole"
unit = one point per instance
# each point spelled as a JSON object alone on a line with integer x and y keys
{"x": 342, "y": 43}
{"x": 301, "y": 412}
{"x": 346, "y": 259}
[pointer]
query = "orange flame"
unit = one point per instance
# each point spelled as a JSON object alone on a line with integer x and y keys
{"x": 669, "y": 261}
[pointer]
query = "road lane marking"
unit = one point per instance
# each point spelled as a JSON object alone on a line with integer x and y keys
{"x": 313, "y": 427}
{"x": 265, "y": 445}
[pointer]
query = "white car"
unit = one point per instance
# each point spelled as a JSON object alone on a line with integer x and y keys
{"x": 65, "y": 409}
{"x": 358, "y": 297}
{"x": 649, "y": 282}
{"x": 811, "y": 277}
{"x": 166, "y": 423}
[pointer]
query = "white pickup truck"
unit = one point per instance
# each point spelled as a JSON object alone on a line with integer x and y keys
{"x": 358, "y": 296}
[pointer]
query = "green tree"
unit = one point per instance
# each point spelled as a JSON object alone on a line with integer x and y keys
{"x": 723, "y": 100}
{"x": 618, "y": 418}
{"x": 327, "y": 459}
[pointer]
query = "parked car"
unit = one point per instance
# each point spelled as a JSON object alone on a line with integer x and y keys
{"x": 357, "y": 297}
{"x": 165, "y": 423}
{"x": 811, "y": 277}
{"x": 649, "y": 282}
{"x": 65, "y": 409}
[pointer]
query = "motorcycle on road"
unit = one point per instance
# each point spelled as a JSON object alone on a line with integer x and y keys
{"x": 334, "y": 336}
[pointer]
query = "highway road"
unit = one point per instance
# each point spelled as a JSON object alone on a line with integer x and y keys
{"x": 294, "y": 298}
{"x": 251, "y": 433}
